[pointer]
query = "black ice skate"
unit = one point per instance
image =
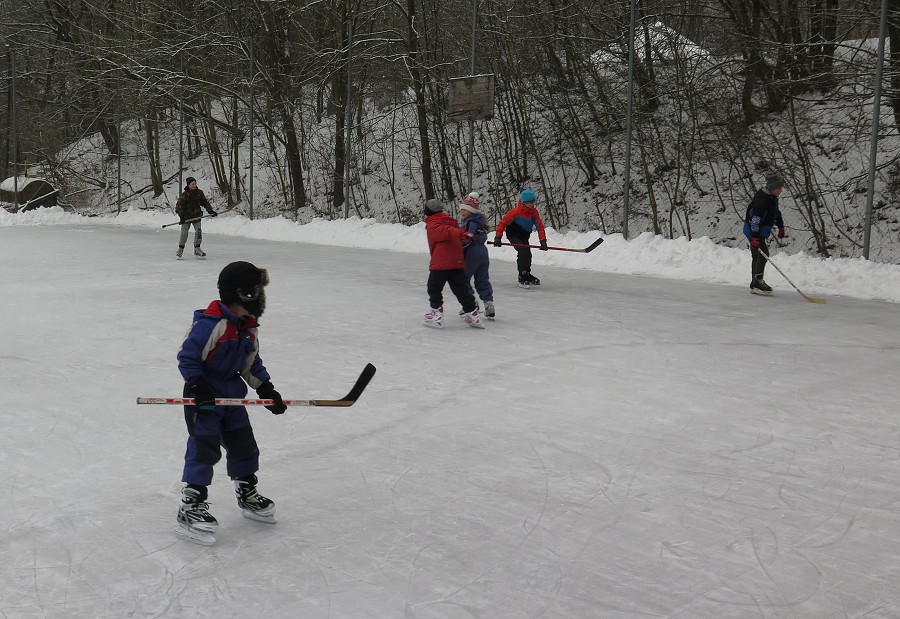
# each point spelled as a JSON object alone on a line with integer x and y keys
{"x": 527, "y": 280}
{"x": 758, "y": 286}
{"x": 195, "y": 523}
{"x": 253, "y": 505}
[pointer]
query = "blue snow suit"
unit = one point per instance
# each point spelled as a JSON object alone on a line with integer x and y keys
{"x": 221, "y": 349}
{"x": 476, "y": 254}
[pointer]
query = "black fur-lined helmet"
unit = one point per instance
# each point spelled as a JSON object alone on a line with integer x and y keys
{"x": 244, "y": 284}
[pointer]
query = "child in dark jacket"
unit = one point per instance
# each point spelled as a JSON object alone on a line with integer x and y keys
{"x": 220, "y": 358}
{"x": 447, "y": 265}
{"x": 762, "y": 215}
{"x": 475, "y": 251}
{"x": 188, "y": 208}
{"x": 518, "y": 224}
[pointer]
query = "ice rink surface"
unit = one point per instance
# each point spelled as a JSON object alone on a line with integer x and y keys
{"x": 610, "y": 447}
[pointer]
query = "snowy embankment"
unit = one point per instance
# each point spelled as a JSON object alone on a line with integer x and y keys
{"x": 697, "y": 260}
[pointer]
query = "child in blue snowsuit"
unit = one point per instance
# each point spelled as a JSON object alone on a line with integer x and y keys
{"x": 476, "y": 254}
{"x": 220, "y": 358}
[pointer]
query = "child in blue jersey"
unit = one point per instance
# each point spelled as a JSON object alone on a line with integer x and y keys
{"x": 475, "y": 251}
{"x": 220, "y": 358}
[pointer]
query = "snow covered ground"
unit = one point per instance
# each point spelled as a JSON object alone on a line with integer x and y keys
{"x": 639, "y": 437}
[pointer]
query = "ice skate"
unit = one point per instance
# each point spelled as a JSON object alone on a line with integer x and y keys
{"x": 758, "y": 286}
{"x": 179, "y": 253}
{"x": 253, "y": 505}
{"x": 534, "y": 281}
{"x": 435, "y": 318}
{"x": 489, "y": 309}
{"x": 199, "y": 253}
{"x": 195, "y": 523}
{"x": 524, "y": 282}
{"x": 462, "y": 312}
{"x": 473, "y": 319}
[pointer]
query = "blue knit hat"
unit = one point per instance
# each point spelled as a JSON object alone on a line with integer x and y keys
{"x": 528, "y": 195}
{"x": 189, "y": 180}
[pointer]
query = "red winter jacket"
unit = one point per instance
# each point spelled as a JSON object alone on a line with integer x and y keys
{"x": 526, "y": 218}
{"x": 445, "y": 242}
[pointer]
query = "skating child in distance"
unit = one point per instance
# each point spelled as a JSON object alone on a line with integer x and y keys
{"x": 447, "y": 266}
{"x": 475, "y": 251}
{"x": 518, "y": 224}
{"x": 762, "y": 215}
{"x": 220, "y": 358}
{"x": 189, "y": 214}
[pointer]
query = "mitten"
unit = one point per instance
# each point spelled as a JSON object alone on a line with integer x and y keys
{"x": 497, "y": 241}
{"x": 754, "y": 241}
{"x": 781, "y": 233}
{"x": 544, "y": 246}
{"x": 267, "y": 392}
{"x": 203, "y": 395}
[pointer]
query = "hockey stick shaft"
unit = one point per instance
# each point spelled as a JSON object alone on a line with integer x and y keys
{"x": 587, "y": 249}
{"x": 818, "y": 300}
{"x": 186, "y": 221}
{"x": 348, "y": 400}
{"x": 190, "y": 221}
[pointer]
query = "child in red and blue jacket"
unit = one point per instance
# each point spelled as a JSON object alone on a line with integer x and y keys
{"x": 220, "y": 358}
{"x": 445, "y": 239}
{"x": 518, "y": 224}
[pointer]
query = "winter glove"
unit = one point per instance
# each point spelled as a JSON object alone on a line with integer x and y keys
{"x": 781, "y": 234}
{"x": 213, "y": 213}
{"x": 754, "y": 241}
{"x": 497, "y": 241}
{"x": 544, "y": 246}
{"x": 203, "y": 396}
{"x": 267, "y": 392}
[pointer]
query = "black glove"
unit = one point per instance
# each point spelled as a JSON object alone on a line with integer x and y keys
{"x": 267, "y": 392}
{"x": 213, "y": 214}
{"x": 203, "y": 396}
{"x": 544, "y": 246}
{"x": 497, "y": 241}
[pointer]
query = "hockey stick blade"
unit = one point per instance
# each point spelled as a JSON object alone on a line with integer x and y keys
{"x": 348, "y": 400}
{"x": 587, "y": 249}
{"x": 361, "y": 383}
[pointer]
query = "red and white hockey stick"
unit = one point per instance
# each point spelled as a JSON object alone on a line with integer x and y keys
{"x": 348, "y": 400}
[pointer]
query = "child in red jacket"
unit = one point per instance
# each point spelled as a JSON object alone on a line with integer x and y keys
{"x": 447, "y": 266}
{"x": 518, "y": 223}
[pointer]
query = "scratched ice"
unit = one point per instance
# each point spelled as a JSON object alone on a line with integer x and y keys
{"x": 612, "y": 446}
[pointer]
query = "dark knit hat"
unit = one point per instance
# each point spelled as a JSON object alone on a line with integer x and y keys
{"x": 189, "y": 180}
{"x": 433, "y": 206}
{"x": 242, "y": 283}
{"x": 774, "y": 182}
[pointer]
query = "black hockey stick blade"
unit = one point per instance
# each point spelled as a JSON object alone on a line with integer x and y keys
{"x": 350, "y": 399}
{"x": 593, "y": 245}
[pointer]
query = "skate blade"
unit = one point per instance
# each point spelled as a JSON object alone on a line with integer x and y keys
{"x": 760, "y": 292}
{"x": 252, "y": 515}
{"x": 476, "y": 325}
{"x": 525, "y": 286}
{"x": 433, "y": 325}
{"x": 195, "y": 536}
